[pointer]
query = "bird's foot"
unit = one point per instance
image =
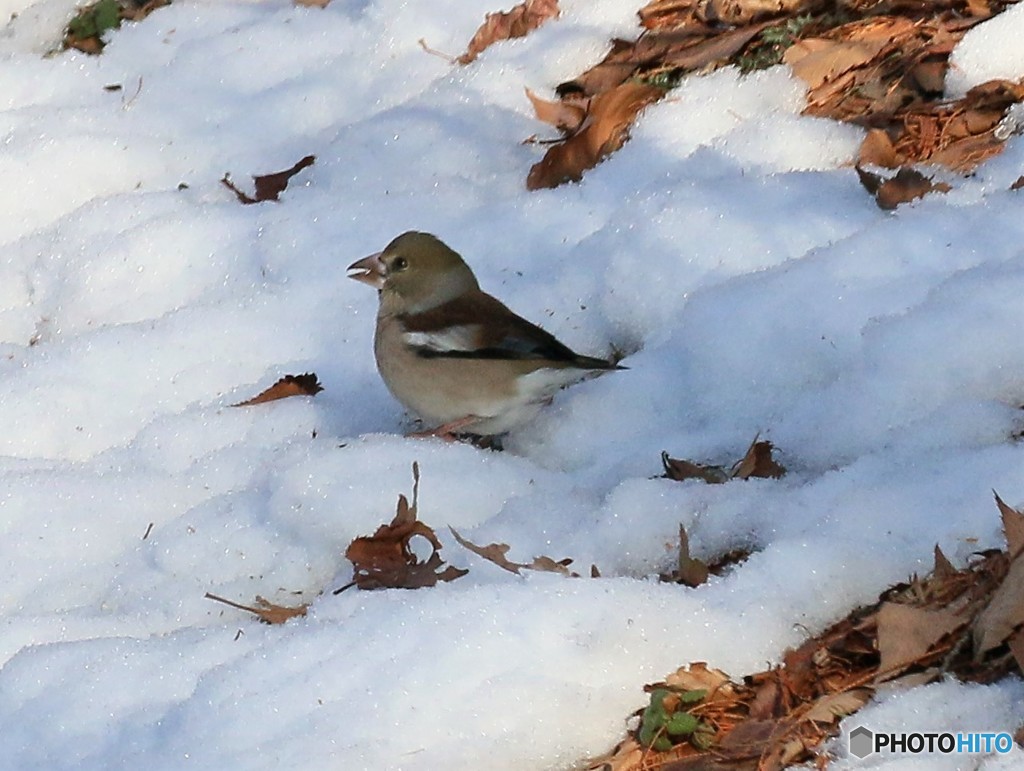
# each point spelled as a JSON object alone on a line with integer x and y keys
{"x": 448, "y": 432}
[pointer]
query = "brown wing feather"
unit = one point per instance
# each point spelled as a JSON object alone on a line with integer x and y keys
{"x": 505, "y": 335}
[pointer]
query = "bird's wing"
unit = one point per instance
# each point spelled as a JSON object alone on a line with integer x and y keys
{"x": 477, "y": 326}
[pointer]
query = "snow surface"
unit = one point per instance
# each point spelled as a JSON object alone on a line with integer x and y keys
{"x": 728, "y": 249}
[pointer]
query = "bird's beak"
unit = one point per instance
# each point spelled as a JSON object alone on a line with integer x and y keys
{"x": 370, "y": 270}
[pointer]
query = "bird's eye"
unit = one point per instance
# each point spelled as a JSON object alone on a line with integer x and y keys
{"x": 400, "y": 263}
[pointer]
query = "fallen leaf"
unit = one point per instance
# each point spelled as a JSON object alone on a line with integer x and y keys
{"x": 745, "y": 11}
{"x": 1016, "y": 644}
{"x": 758, "y": 462}
{"x": 907, "y": 633}
{"x": 565, "y": 114}
{"x": 385, "y": 560}
{"x": 269, "y": 186}
{"x": 828, "y": 709}
{"x": 1018, "y": 183}
{"x": 267, "y": 612}
{"x": 604, "y": 131}
{"x": 495, "y": 552}
{"x": 313, "y": 3}
{"x": 290, "y": 385}
{"x": 1004, "y": 614}
{"x": 943, "y": 567}
{"x": 689, "y": 571}
{"x": 817, "y": 61}
{"x": 85, "y": 31}
{"x": 681, "y": 470}
{"x": 908, "y": 185}
{"x": 1013, "y": 526}
{"x": 714, "y": 50}
{"x": 697, "y": 676}
{"x": 517, "y": 22}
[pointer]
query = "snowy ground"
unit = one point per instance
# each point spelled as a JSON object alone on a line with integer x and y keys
{"x": 728, "y": 249}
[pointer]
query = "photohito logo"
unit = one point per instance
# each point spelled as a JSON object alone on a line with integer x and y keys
{"x": 863, "y": 742}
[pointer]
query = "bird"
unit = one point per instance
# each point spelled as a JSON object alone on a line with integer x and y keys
{"x": 453, "y": 354}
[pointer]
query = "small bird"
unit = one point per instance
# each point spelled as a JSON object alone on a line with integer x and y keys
{"x": 452, "y": 353}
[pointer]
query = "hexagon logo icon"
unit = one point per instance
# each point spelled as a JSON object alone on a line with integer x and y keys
{"x": 861, "y": 741}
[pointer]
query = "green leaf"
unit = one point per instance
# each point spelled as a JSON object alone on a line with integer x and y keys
{"x": 692, "y": 697}
{"x": 682, "y": 724}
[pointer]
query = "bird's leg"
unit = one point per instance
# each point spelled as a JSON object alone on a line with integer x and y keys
{"x": 447, "y": 431}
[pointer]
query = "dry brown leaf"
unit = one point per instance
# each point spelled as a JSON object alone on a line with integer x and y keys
{"x": 943, "y": 567}
{"x": 713, "y": 50}
{"x": 906, "y": 633}
{"x": 908, "y": 185}
{"x": 385, "y": 560}
{"x": 603, "y": 132}
{"x": 817, "y": 61}
{"x": 305, "y": 384}
{"x": 495, "y": 552}
{"x": 697, "y": 676}
{"x": 517, "y": 22}
{"x": 268, "y": 186}
{"x": 758, "y": 462}
{"x": 746, "y": 11}
{"x": 265, "y": 611}
{"x": 565, "y": 114}
{"x": 1004, "y": 613}
{"x": 689, "y": 571}
{"x": 1018, "y": 183}
{"x": 313, "y": 3}
{"x": 1013, "y": 526}
{"x": 681, "y": 470}
{"x": 877, "y": 150}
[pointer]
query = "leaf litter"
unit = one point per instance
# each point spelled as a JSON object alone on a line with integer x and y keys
{"x": 966, "y": 623}
{"x": 879, "y": 66}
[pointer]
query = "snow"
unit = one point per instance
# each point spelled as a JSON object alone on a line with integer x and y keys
{"x": 728, "y": 249}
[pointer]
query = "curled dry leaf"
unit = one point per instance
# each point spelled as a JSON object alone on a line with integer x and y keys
{"x": 267, "y": 612}
{"x": 604, "y": 131}
{"x": 386, "y": 560}
{"x": 517, "y": 22}
{"x": 496, "y": 553}
{"x": 306, "y": 384}
{"x": 269, "y": 186}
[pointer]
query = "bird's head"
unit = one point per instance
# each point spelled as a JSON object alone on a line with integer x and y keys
{"x": 417, "y": 268}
